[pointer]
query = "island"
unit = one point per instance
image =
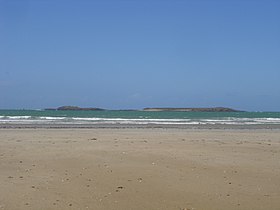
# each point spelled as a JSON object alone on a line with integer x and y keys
{"x": 73, "y": 108}
{"x": 214, "y": 109}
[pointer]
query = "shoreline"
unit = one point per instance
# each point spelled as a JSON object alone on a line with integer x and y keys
{"x": 145, "y": 126}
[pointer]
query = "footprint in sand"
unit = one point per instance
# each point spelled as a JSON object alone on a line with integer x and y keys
{"x": 119, "y": 188}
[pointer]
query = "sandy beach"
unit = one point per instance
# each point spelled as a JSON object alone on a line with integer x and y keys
{"x": 180, "y": 169}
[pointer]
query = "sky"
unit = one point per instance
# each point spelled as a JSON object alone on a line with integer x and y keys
{"x": 140, "y": 53}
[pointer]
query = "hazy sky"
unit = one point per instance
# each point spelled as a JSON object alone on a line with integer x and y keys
{"x": 140, "y": 53}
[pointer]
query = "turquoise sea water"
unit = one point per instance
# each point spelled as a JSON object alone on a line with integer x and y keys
{"x": 135, "y": 117}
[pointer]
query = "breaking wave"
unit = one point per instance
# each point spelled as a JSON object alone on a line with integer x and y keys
{"x": 142, "y": 121}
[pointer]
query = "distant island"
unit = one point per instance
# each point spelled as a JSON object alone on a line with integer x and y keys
{"x": 74, "y": 108}
{"x": 214, "y": 109}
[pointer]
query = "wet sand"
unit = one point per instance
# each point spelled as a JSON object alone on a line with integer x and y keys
{"x": 139, "y": 169}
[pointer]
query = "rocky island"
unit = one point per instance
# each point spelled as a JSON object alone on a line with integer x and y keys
{"x": 75, "y": 108}
{"x": 214, "y": 109}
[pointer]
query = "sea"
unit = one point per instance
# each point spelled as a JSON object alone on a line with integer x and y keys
{"x": 137, "y": 117}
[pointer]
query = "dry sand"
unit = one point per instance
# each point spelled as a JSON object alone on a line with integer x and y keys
{"x": 139, "y": 169}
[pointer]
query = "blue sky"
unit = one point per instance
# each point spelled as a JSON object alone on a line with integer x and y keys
{"x": 139, "y": 53}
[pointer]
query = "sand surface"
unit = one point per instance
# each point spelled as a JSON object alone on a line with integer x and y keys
{"x": 139, "y": 169}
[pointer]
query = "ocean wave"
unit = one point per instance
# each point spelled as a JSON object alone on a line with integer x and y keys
{"x": 87, "y": 118}
{"x": 17, "y": 117}
{"x": 142, "y": 121}
{"x": 126, "y": 119}
{"x": 52, "y": 118}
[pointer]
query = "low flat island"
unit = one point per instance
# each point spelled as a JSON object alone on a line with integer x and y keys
{"x": 144, "y": 168}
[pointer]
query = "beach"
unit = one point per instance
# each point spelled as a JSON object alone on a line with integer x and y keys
{"x": 139, "y": 168}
